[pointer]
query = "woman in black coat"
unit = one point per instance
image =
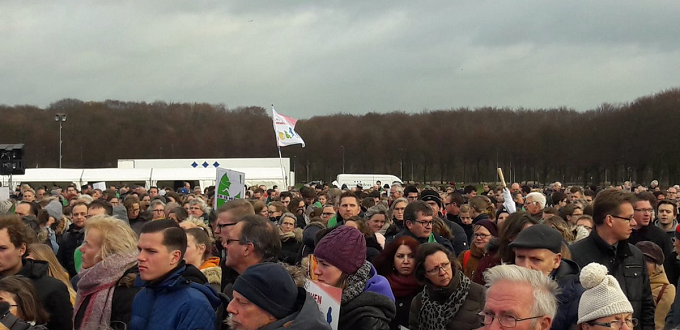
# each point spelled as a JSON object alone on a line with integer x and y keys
{"x": 291, "y": 238}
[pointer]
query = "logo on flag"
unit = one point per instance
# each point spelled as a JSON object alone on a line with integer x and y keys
{"x": 284, "y": 128}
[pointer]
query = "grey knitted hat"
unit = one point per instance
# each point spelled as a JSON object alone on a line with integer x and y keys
{"x": 603, "y": 295}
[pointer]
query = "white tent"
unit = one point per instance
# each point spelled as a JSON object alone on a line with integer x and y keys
{"x": 268, "y": 176}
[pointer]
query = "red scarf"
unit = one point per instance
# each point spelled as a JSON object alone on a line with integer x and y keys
{"x": 403, "y": 286}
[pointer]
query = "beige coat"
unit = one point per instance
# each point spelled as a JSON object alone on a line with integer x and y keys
{"x": 656, "y": 281}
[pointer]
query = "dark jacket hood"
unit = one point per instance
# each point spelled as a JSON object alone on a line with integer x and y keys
{"x": 34, "y": 269}
{"x": 307, "y": 317}
{"x": 566, "y": 268}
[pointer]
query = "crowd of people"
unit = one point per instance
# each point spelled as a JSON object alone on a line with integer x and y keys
{"x": 404, "y": 257}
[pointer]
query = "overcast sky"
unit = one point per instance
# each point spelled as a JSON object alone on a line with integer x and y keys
{"x": 320, "y": 57}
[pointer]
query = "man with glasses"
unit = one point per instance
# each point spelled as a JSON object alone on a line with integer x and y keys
{"x": 518, "y": 298}
{"x": 396, "y": 192}
{"x": 672, "y": 194}
{"x": 228, "y": 215}
{"x": 411, "y": 193}
{"x": 460, "y": 239}
{"x": 418, "y": 219}
{"x": 644, "y": 230}
{"x": 534, "y": 204}
{"x": 614, "y": 216}
{"x": 251, "y": 241}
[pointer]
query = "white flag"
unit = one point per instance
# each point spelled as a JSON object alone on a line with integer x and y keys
{"x": 284, "y": 128}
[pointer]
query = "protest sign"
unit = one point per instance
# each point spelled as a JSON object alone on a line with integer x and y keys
{"x": 328, "y": 298}
{"x": 230, "y": 186}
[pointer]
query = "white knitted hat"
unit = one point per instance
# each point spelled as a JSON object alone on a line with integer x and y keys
{"x": 603, "y": 295}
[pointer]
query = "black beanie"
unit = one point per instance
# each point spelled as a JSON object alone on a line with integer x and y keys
{"x": 270, "y": 287}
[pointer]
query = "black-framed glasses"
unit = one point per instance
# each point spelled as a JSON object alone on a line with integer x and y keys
{"x": 617, "y": 324}
{"x": 425, "y": 223}
{"x": 230, "y": 240}
{"x": 482, "y": 236}
{"x": 221, "y": 226}
{"x": 444, "y": 266}
{"x": 507, "y": 321}
{"x": 622, "y": 218}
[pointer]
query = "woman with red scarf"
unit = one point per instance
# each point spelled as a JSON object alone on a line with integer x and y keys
{"x": 397, "y": 263}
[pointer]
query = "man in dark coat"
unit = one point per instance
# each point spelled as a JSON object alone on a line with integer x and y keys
{"x": 539, "y": 247}
{"x": 267, "y": 297}
{"x": 53, "y": 295}
{"x": 613, "y": 214}
{"x": 460, "y": 239}
{"x": 645, "y": 230}
{"x": 73, "y": 238}
{"x": 419, "y": 219}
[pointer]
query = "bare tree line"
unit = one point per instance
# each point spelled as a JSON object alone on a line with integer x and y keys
{"x": 634, "y": 141}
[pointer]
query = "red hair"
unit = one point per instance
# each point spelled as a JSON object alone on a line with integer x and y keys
{"x": 384, "y": 262}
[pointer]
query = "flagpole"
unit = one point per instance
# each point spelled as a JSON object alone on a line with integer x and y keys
{"x": 283, "y": 171}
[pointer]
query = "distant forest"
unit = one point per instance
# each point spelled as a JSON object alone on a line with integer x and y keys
{"x": 636, "y": 141}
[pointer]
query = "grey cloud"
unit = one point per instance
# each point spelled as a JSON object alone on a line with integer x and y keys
{"x": 320, "y": 57}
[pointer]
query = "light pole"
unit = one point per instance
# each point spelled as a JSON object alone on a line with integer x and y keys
{"x": 60, "y": 117}
{"x": 343, "y": 159}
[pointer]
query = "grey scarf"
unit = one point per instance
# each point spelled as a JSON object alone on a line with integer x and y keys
{"x": 356, "y": 283}
{"x": 434, "y": 315}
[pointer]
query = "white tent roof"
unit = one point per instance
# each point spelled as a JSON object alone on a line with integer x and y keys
{"x": 91, "y": 175}
{"x": 48, "y": 175}
{"x": 254, "y": 175}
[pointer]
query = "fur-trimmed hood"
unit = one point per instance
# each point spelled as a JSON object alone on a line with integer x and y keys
{"x": 296, "y": 234}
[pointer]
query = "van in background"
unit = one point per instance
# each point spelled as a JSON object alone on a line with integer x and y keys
{"x": 366, "y": 180}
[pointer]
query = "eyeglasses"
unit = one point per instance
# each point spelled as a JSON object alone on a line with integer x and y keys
{"x": 482, "y": 236}
{"x": 622, "y": 218}
{"x": 159, "y": 211}
{"x": 644, "y": 210}
{"x": 230, "y": 240}
{"x": 425, "y": 223}
{"x": 507, "y": 321}
{"x": 631, "y": 323}
{"x": 444, "y": 266}
{"x": 221, "y": 226}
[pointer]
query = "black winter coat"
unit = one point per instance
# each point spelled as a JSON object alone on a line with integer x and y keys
{"x": 368, "y": 311}
{"x": 460, "y": 239}
{"x": 52, "y": 293}
{"x": 627, "y": 265}
{"x": 121, "y": 303}
{"x": 68, "y": 244}
{"x": 657, "y": 235}
{"x": 403, "y": 305}
{"x": 566, "y": 276}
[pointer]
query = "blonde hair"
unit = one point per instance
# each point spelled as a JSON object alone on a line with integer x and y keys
{"x": 117, "y": 236}
{"x": 194, "y": 222}
{"x": 482, "y": 204}
{"x": 44, "y": 252}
